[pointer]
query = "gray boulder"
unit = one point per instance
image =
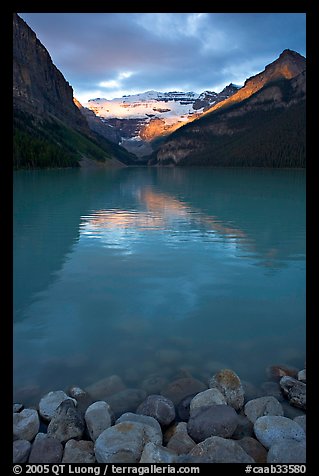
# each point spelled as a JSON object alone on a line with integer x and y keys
{"x": 46, "y": 450}
{"x": 262, "y": 406}
{"x": 295, "y": 391}
{"x": 215, "y": 420}
{"x": 67, "y": 423}
{"x": 180, "y": 441}
{"x": 287, "y": 451}
{"x": 98, "y": 417}
{"x": 26, "y": 424}
{"x": 220, "y": 450}
{"x": 50, "y": 402}
{"x": 158, "y": 407}
{"x": 124, "y": 442}
{"x": 211, "y": 396}
{"x": 301, "y": 420}
{"x": 153, "y": 453}
{"x": 273, "y": 429}
{"x": 79, "y": 452}
{"x": 152, "y": 428}
{"x": 21, "y": 451}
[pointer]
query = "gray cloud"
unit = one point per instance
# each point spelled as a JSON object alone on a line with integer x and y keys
{"x": 164, "y": 51}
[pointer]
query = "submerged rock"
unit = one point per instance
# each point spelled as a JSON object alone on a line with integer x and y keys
{"x": 105, "y": 387}
{"x": 275, "y": 372}
{"x": 153, "y": 384}
{"x": 83, "y": 398}
{"x": 181, "y": 388}
{"x": 126, "y": 401}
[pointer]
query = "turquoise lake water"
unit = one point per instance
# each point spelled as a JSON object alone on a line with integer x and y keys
{"x": 140, "y": 272}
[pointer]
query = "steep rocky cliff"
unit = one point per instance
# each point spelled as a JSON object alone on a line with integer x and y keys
{"x": 263, "y": 124}
{"x": 49, "y": 129}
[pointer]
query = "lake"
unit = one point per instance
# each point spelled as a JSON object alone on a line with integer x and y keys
{"x": 156, "y": 271}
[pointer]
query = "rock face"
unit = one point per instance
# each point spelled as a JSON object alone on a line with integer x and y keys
{"x": 26, "y": 424}
{"x": 159, "y": 407}
{"x": 262, "y": 406}
{"x": 40, "y": 90}
{"x": 229, "y": 384}
{"x": 221, "y": 450}
{"x": 273, "y": 429}
{"x": 295, "y": 391}
{"x": 215, "y": 420}
{"x": 66, "y": 423}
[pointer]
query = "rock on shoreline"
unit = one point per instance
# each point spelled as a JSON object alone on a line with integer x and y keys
{"x": 185, "y": 420}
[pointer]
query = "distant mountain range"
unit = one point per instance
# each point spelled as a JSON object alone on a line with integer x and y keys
{"x": 140, "y": 118}
{"x": 260, "y": 124}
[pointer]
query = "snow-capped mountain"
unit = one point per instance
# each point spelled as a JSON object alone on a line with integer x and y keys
{"x": 145, "y": 116}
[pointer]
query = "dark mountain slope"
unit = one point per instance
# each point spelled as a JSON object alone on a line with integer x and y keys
{"x": 49, "y": 130}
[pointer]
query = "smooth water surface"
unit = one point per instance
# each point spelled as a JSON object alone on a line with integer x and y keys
{"x": 166, "y": 271}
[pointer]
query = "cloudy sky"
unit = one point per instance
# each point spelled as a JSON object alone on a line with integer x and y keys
{"x": 111, "y": 54}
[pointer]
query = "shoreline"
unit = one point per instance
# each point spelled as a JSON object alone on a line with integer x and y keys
{"x": 185, "y": 421}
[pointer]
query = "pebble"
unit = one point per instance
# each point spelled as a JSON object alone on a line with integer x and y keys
{"x": 158, "y": 407}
